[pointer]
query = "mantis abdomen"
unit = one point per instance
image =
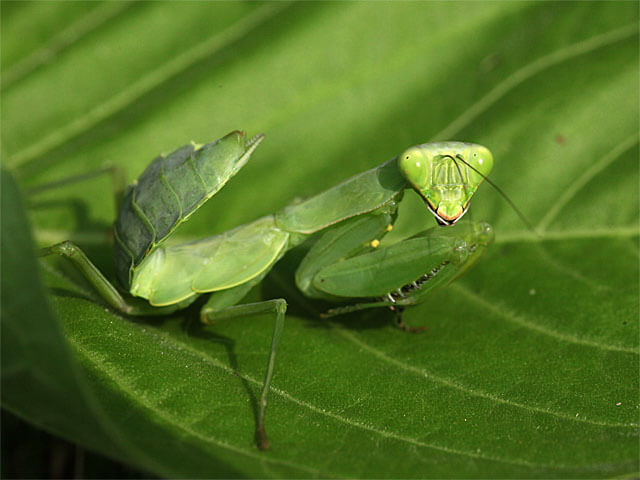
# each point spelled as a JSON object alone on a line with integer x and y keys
{"x": 169, "y": 190}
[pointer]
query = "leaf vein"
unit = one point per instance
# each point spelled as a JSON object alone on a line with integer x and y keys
{"x": 562, "y": 336}
{"x": 585, "y": 178}
{"x": 532, "y": 69}
{"x": 145, "y": 84}
{"x": 472, "y": 391}
{"x": 131, "y": 392}
{"x": 378, "y": 431}
{"x": 64, "y": 39}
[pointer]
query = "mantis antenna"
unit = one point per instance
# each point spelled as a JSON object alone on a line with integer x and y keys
{"x": 501, "y": 192}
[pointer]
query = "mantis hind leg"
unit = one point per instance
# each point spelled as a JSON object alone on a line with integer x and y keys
{"x": 210, "y": 313}
{"x": 106, "y": 290}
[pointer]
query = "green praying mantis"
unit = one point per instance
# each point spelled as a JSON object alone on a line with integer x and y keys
{"x": 346, "y": 264}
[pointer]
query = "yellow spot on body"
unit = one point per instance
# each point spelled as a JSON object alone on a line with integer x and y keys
{"x": 389, "y": 227}
{"x": 375, "y": 243}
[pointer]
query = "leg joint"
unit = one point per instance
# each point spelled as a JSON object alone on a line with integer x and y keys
{"x": 66, "y": 249}
{"x": 281, "y": 305}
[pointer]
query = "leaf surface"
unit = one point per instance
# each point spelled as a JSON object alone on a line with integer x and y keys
{"x": 529, "y": 367}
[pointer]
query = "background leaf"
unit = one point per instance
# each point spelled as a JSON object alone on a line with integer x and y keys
{"x": 530, "y": 364}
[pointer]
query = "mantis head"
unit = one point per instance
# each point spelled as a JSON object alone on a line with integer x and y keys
{"x": 446, "y": 175}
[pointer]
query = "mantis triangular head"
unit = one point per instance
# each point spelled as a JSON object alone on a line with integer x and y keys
{"x": 446, "y": 175}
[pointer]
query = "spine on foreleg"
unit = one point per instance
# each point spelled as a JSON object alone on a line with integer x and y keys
{"x": 169, "y": 190}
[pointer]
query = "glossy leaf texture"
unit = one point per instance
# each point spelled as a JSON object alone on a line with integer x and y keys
{"x": 529, "y": 367}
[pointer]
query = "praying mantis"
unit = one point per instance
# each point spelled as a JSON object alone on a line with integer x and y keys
{"x": 346, "y": 264}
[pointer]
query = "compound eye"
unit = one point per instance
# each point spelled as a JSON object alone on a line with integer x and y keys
{"x": 413, "y": 163}
{"x": 481, "y": 159}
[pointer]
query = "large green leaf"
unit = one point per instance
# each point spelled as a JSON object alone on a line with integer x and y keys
{"x": 530, "y": 363}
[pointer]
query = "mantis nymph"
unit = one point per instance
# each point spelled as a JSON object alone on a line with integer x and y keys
{"x": 344, "y": 265}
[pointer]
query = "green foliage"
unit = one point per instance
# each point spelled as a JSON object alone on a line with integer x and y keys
{"x": 530, "y": 363}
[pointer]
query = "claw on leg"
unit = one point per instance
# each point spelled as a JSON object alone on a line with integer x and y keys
{"x": 403, "y": 326}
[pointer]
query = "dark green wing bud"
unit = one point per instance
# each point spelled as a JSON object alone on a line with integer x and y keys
{"x": 169, "y": 190}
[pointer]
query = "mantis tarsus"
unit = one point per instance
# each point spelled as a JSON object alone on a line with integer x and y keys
{"x": 344, "y": 263}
